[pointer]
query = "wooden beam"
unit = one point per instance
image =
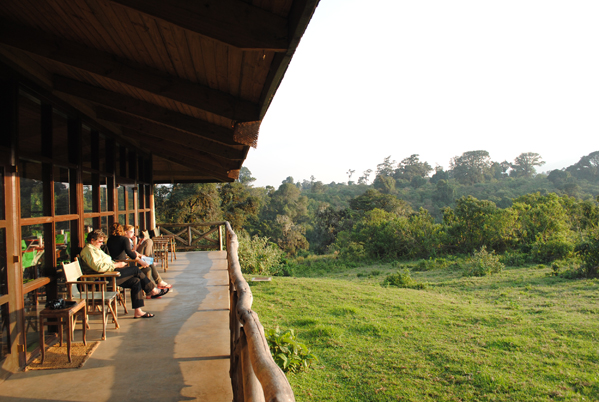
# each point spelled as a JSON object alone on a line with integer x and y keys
{"x": 155, "y": 130}
{"x": 159, "y": 145}
{"x": 218, "y": 175}
{"x": 144, "y": 109}
{"x": 233, "y": 22}
{"x": 127, "y": 72}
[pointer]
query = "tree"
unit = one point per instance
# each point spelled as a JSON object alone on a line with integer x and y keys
{"x": 372, "y": 199}
{"x": 385, "y": 184}
{"x": 440, "y": 174}
{"x": 189, "y": 203}
{"x": 411, "y": 167}
{"x": 586, "y": 168}
{"x": 385, "y": 168}
{"x": 364, "y": 179}
{"x": 471, "y": 167}
{"x": 245, "y": 177}
{"x": 349, "y": 173}
{"x": 524, "y": 165}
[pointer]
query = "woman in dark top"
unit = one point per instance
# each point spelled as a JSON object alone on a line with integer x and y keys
{"x": 119, "y": 247}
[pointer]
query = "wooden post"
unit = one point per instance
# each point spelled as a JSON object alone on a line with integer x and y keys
{"x": 189, "y": 235}
{"x": 252, "y": 389}
{"x": 220, "y": 237}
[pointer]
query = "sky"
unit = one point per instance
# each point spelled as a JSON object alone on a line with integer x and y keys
{"x": 435, "y": 78}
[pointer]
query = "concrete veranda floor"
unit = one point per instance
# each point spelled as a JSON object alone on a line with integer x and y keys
{"x": 181, "y": 354}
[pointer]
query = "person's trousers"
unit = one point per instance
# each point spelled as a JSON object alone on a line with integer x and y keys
{"x": 153, "y": 275}
{"x": 132, "y": 278}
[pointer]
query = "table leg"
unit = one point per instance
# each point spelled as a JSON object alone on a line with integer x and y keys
{"x": 70, "y": 325}
{"x": 42, "y": 340}
{"x": 84, "y": 324}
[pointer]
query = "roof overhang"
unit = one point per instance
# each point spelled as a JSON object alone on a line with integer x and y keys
{"x": 187, "y": 81}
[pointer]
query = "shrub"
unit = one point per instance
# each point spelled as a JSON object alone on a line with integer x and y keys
{"x": 552, "y": 249}
{"x": 482, "y": 263}
{"x": 403, "y": 279}
{"x": 287, "y": 352}
{"x": 257, "y": 255}
{"x": 589, "y": 254}
{"x": 513, "y": 259}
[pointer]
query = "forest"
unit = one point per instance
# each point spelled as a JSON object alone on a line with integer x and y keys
{"x": 408, "y": 210}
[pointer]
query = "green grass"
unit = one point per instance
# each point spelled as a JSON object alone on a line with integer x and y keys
{"x": 520, "y": 335}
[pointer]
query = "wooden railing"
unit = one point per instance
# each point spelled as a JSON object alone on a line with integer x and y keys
{"x": 188, "y": 236}
{"x": 255, "y": 377}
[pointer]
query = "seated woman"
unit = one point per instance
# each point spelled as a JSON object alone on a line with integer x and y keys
{"x": 119, "y": 247}
{"x": 131, "y": 277}
{"x": 145, "y": 249}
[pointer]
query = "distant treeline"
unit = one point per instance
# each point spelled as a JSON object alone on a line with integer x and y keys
{"x": 409, "y": 210}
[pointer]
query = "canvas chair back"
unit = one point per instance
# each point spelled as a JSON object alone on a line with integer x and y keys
{"x": 72, "y": 273}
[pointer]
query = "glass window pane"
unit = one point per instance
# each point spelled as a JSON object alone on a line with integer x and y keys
{"x": 121, "y": 198}
{"x": 131, "y": 219}
{"x": 87, "y": 192}
{"x": 62, "y": 197}
{"x": 32, "y": 249}
{"x": 60, "y": 138}
{"x": 64, "y": 241}
{"x": 130, "y": 204}
{"x": 32, "y": 189}
{"x": 142, "y": 221}
{"x": 35, "y": 301}
{"x": 149, "y": 189}
{"x": 30, "y": 127}
{"x": 88, "y": 226}
{"x": 122, "y": 219}
{"x": 4, "y": 327}
{"x": 103, "y": 194}
{"x": 4, "y": 317}
{"x": 104, "y": 224}
{"x": 2, "y": 193}
{"x": 3, "y": 273}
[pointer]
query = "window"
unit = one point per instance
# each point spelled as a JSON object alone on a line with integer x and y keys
{"x": 32, "y": 189}
{"x": 62, "y": 195}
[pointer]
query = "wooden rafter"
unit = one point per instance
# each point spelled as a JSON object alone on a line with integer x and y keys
{"x": 155, "y": 144}
{"x": 127, "y": 72}
{"x": 144, "y": 109}
{"x": 180, "y": 138}
{"x": 234, "y": 22}
{"x": 196, "y": 164}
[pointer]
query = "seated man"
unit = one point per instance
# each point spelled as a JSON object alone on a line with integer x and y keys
{"x": 130, "y": 277}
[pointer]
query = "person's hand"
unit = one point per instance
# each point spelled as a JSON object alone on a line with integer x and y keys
{"x": 120, "y": 264}
{"x": 143, "y": 264}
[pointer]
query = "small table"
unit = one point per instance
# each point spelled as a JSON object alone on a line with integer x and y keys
{"x": 65, "y": 318}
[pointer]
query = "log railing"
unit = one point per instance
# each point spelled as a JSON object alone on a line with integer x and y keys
{"x": 255, "y": 377}
{"x": 254, "y": 374}
{"x": 189, "y": 236}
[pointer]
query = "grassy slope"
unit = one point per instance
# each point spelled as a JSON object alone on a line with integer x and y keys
{"x": 517, "y": 336}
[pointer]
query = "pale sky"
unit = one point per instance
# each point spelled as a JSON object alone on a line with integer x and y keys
{"x": 435, "y": 78}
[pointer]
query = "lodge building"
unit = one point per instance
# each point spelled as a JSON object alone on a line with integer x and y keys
{"x": 99, "y": 101}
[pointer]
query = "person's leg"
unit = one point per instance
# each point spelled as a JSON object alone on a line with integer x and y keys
{"x": 148, "y": 272}
{"x": 156, "y": 275}
{"x": 133, "y": 283}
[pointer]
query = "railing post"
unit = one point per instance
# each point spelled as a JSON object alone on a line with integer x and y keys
{"x": 220, "y": 237}
{"x": 252, "y": 390}
{"x": 189, "y": 235}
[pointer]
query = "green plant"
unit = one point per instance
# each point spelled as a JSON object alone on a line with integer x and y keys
{"x": 482, "y": 263}
{"x": 257, "y": 255}
{"x": 289, "y": 354}
{"x": 403, "y": 279}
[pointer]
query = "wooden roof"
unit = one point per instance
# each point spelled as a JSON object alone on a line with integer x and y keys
{"x": 188, "y": 81}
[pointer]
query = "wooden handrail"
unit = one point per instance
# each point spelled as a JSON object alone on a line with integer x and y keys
{"x": 248, "y": 340}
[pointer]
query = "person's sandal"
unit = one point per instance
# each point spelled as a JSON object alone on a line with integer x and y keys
{"x": 146, "y": 315}
{"x": 159, "y": 295}
{"x": 167, "y": 286}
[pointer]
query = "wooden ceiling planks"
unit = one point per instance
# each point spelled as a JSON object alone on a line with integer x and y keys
{"x": 179, "y": 64}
